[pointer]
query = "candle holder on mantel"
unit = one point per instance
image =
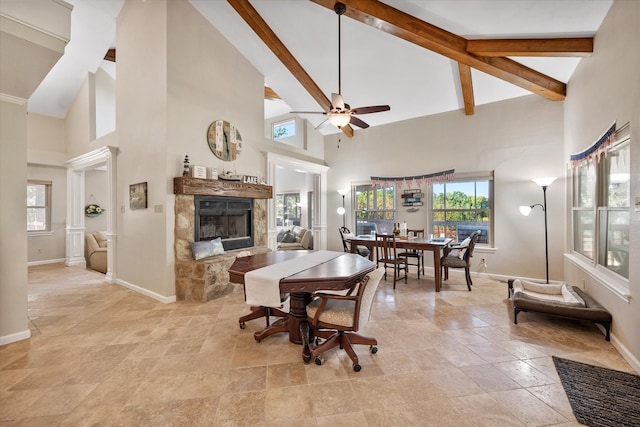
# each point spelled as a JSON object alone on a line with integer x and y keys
{"x": 185, "y": 169}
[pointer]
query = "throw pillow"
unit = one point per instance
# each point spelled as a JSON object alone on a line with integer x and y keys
{"x": 542, "y": 288}
{"x": 281, "y": 234}
{"x": 202, "y": 249}
{"x": 289, "y": 238}
{"x": 464, "y": 245}
{"x": 571, "y": 297}
{"x": 218, "y": 249}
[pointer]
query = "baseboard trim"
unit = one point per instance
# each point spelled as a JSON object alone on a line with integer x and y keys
{"x": 46, "y": 261}
{"x": 18, "y": 336}
{"x": 147, "y": 292}
{"x": 624, "y": 351}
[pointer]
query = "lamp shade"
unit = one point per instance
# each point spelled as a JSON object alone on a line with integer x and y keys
{"x": 343, "y": 192}
{"x": 545, "y": 181}
{"x": 341, "y": 210}
{"x": 339, "y": 119}
{"x": 525, "y": 210}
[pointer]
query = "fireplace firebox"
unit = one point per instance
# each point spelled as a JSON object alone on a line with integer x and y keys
{"x": 229, "y": 218}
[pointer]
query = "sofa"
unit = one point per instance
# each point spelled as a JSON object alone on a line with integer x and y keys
{"x": 557, "y": 299}
{"x": 295, "y": 239}
{"x": 97, "y": 251}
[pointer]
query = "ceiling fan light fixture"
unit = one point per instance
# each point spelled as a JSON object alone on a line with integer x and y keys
{"x": 339, "y": 119}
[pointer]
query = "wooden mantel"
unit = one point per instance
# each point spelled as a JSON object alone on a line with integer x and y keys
{"x": 218, "y": 187}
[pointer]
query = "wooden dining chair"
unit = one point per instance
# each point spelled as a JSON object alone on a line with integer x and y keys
{"x": 459, "y": 256}
{"x": 387, "y": 255}
{"x": 361, "y": 250}
{"x": 336, "y": 318}
{"x": 415, "y": 254}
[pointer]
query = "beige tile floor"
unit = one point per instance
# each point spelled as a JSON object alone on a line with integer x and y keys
{"x": 101, "y": 354}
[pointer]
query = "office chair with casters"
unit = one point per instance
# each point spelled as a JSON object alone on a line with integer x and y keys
{"x": 416, "y": 254}
{"x": 387, "y": 255}
{"x": 363, "y": 251}
{"x": 336, "y": 319}
{"x": 263, "y": 311}
{"x": 461, "y": 258}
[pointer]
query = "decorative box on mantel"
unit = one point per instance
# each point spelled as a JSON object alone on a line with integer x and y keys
{"x": 208, "y": 278}
{"x": 219, "y": 187}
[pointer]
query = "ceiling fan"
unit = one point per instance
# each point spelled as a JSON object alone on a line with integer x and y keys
{"x": 340, "y": 114}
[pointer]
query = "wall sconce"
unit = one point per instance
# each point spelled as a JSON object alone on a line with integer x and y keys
{"x": 526, "y": 210}
{"x": 341, "y": 210}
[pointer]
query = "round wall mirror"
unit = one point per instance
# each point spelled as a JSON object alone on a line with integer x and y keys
{"x": 224, "y": 140}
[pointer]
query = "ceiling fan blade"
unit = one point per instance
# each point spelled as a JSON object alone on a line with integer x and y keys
{"x": 337, "y": 101}
{"x": 307, "y": 112}
{"x": 322, "y": 124}
{"x": 372, "y": 109}
{"x": 356, "y": 121}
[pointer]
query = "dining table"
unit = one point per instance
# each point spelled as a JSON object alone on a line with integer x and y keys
{"x": 435, "y": 245}
{"x": 339, "y": 273}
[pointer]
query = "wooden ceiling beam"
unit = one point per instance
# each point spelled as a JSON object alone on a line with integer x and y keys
{"x": 270, "y": 93}
{"x": 467, "y": 89}
{"x": 414, "y": 30}
{"x": 557, "y": 47}
{"x": 271, "y": 40}
{"x": 110, "y": 55}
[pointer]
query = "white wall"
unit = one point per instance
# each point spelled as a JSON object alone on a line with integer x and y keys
{"x": 95, "y": 186}
{"x": 519, "y": 139}
{"x": 603, "y": 89}
{"x": 50, "y": 247}
{"x": 105, "y": 99}
{"x": 13, "y": 221}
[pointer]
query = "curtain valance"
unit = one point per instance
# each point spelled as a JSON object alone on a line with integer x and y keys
{"x": 418, "y": 179}
{"x": 595, "y": 150}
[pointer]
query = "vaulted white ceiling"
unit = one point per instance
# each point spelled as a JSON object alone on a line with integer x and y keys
{"x": 377, "y": 68}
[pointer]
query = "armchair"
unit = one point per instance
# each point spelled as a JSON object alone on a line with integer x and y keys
{"x": 97, "y": 251}
{"x": 461, "y": 258}
{"x": 336, "y": 318}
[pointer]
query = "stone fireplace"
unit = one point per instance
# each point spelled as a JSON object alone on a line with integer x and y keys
{"x": 207, "y": 279}
{"x": 230, "y": 218}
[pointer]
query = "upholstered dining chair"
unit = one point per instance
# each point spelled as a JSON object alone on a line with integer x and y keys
{"x": 336, "y": 318}
{"x": 459, "y": 256}
{"x": 362, "y": 250}
{"x": 387, "y": 255}
{"x": 263, "y": 311}
{"x": 418, "y": 255}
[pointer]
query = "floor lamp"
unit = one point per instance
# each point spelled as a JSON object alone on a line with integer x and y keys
{"x": 526, "y": 210}
{"x": 341, "y": 209}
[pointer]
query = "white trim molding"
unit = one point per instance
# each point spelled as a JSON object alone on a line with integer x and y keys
{"x": 18, "y": 336}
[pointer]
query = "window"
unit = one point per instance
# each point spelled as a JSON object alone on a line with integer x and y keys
{"x": 284, "y": 129}
{"x": 584, "y": 199}
{"x": 38, "y": 206}
{"x": 287, "y": 209}
{"x": 601, "y": 202}
{"x": 462, "y": 206}
{"x": 375, "y": 209}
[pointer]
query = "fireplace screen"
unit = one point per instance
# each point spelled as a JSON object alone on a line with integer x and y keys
{"x": 229, "y": 218}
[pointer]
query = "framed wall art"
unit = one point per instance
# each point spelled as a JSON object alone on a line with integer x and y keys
{"x": 138, "y": 196}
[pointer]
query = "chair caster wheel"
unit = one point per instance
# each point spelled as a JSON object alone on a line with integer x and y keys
{"x": 373, "y": 349}
{"x": 257, "y": 340}
{"x": 242, "y": 325}
{"x": 357, "y": 367}
{"x": 318, "y": 361}
{"x": 317, "y": 341}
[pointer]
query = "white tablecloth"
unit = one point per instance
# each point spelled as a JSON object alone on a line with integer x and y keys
{"x": 262, "y": 286}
